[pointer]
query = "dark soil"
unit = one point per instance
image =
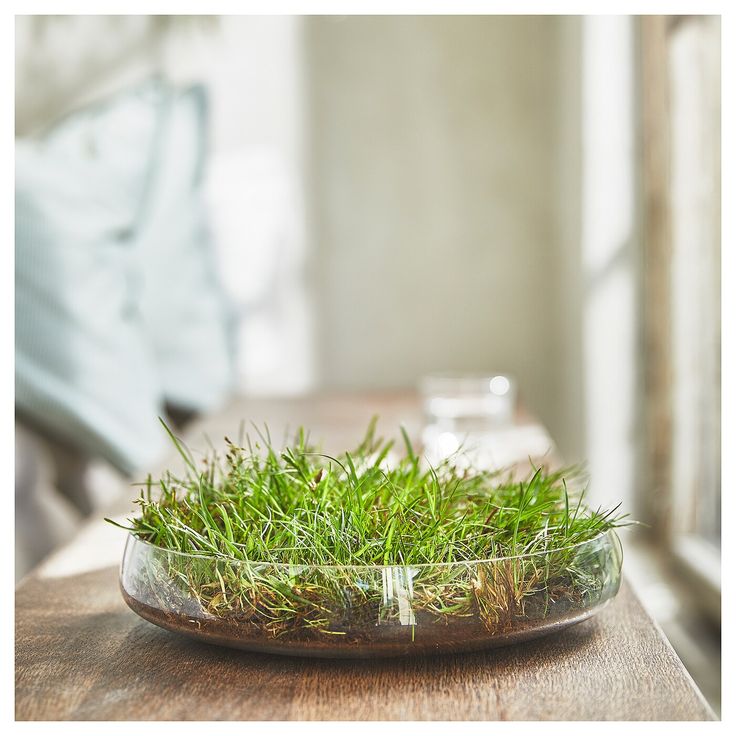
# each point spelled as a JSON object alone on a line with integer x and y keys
{"x": 428, "y": 636}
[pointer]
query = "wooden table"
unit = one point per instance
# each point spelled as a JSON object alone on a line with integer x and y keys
{"x": 81, "y": 654}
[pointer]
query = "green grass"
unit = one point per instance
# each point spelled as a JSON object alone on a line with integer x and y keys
{"x": 373, "y": 506}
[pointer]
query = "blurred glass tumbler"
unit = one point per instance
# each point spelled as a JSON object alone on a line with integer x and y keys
{"x": 468, "y": 403}
{"x": 473, "y": 418}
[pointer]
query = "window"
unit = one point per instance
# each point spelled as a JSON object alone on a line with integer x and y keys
{"x": 681, "y": 112}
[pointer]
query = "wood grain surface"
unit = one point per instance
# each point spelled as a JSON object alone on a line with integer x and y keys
{"x": 81, "y": 654}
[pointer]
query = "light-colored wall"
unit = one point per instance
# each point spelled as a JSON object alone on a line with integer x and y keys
{"x": 610, "y": 258}
{"x": 444, "y": 196}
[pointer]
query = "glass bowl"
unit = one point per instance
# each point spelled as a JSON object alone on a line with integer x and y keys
{"x": 370, "y": 611}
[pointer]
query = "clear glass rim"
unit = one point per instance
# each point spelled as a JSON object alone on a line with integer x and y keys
{"x": 609, "y": 533}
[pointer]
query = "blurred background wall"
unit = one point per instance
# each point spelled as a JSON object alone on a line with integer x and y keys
{"x": 442, "y": 192}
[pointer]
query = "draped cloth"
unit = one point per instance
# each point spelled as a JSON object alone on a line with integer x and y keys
{"x": 118, "y": 305}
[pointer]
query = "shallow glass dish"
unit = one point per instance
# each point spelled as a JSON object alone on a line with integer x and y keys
{"x": 370, "y": 611}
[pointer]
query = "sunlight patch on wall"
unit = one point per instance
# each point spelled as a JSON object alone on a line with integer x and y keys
{"x": 608, "y": 230}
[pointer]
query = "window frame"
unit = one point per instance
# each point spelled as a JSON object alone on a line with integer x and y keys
{"x": 668, "y": 506}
